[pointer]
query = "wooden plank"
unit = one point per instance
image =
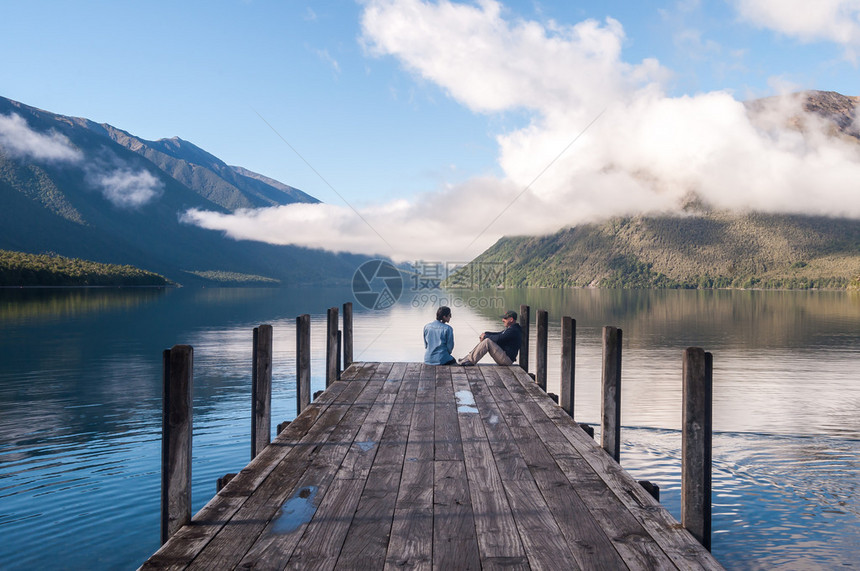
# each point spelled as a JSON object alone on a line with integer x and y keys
{"x": 411, "y": 542}
{"x": 684, "y": 551}
{"x": 541, "y": 537}
{"x": 505, "y": 452}
{"x": 447, "y": 430}
{"x": 455, "y": 545}
{"x": 498, "y": 541}
{"x": 322, "y": 541}
{"x": 274, "y": 546}
{"x": 605, "y": 534}
{"x": 367, "y": 538}
{"x": 266, "y": 500}
{"x": 586, "y": 540}
{"x": 297, "y": 439}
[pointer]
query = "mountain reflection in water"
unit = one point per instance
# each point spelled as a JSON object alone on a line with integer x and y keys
{"x": 80, "y": 403}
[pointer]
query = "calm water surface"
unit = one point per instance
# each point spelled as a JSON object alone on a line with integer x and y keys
{"x": 80, "y": 405}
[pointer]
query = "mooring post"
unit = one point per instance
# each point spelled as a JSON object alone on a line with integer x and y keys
{"x": 697, "y": 427}
{"x": 339, "y": 352}
{"x": 261, "y": 389}
{"x": 331, "y": 347}
{"x": 524, "y": 348}
{"x": 568, "y": 363}
{"x": 303, "y": 362}
{"x": 176, "y": 428}
{"x": 610, "y": 418}
{"x": 541, "y": 348}
{"x": 347, "y": 334}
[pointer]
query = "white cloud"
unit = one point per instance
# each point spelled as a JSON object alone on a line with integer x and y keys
{"x": 328, "y": 59}
{"x": 17, "y": 138}
{"x": 126, "y": 188}
{"x": 831, "y": 20}
{"x": 645, "y": 152}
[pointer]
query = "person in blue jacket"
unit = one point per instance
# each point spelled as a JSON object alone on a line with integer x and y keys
{"x": 502, "y": 346}
{"x": 439, "y": 339}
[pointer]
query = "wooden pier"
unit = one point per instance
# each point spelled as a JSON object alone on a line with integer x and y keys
{"x": 405, "y": 465}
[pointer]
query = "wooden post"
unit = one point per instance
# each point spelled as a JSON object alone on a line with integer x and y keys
{"x": 339, "y": 353}
{"x": 261, "y": 389}
{"x": 303, "y": 362}
{"x": 331, "y": 348}
{"x": 697, "y": 426}
{"x": 178, "y": 381}
{"x": 610, "y": 418}
{"x": 540, "y": 352}
{"x": 524, "y": 348}
{"x": 347, "y": 335}
{"x": 568, "y": 363}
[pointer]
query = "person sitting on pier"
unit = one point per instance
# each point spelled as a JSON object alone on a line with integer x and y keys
{"x": 502, "y": 346}
{"x": 439, "y": 339}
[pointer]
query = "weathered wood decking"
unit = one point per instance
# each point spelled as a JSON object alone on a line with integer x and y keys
{"x": 408, "y": 465}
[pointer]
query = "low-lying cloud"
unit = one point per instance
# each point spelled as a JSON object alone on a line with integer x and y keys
{"x": 19, "y": 140}
{"x": 126, "y": 188}
{"x": 604, "y": 138}
{"x": 122, "y": 185}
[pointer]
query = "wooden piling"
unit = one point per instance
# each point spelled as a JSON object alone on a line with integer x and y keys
{"x": 339, "y": 352}
{"x": 697, "y": 427}
{"x": 178, "y": 381}
{"x": 610, "y": 418}
{"x": 568, "y": 363}
{"x": 524, "y": 348}
{"x": 303, "y": 362}
{"x": 541, "y": 348}
{"x": 331, "y": 347}
{"x": 347, "y": 335}
{"x": 261, "y": 389}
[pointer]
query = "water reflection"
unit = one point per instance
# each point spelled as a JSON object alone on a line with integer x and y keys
{"x": 80, "y": 403}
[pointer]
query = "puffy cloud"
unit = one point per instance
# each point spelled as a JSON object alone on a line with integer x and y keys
{"x": 603, "y": 139}
{"x": 126, "y": 188}
{"x": 18, "y": 139}
{"x": 831, "y": 20}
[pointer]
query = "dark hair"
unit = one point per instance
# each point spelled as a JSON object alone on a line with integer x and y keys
{"x": 443, "y": 311}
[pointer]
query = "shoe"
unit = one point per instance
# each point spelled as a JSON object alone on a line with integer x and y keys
{"x": 465, "y": 363}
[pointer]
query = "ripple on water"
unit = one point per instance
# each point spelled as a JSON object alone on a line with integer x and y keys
{"x": 799, "y": 511}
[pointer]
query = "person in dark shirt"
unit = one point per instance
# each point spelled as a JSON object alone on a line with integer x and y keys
{"x": 502, "y": 346}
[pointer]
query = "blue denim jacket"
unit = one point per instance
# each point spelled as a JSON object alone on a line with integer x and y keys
{"x": 438, "y": 342}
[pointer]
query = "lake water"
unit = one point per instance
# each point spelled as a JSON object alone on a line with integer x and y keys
{"x": 80, "y": 404}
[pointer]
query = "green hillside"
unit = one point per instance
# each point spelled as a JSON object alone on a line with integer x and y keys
{"x": 715, "y": 250}
{"x": 76, "y": 206}
{"x": 19, "y": 269}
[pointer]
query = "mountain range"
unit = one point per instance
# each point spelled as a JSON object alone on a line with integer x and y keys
{"x": 81, "y": 189}
{"x": 699, "y": 247}
{"x": 701, "y": 250}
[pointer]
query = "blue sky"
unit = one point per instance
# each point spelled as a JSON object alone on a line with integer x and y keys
{"x": 382, "y": 117}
